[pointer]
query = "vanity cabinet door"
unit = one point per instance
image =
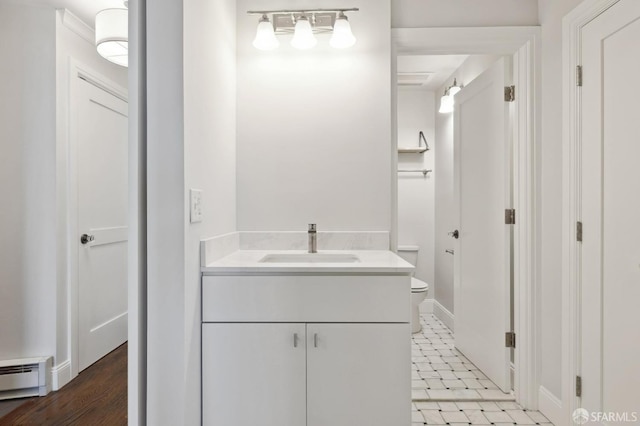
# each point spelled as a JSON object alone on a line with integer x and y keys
{"x": 253, "y": 374}
{"x": 358, "y": 374}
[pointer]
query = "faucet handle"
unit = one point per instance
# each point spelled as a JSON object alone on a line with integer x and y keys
{"x": 312, "y": 227}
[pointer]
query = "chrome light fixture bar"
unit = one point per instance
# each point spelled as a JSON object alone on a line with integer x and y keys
{"x": 454, "y": 88}
{"x": 303, "y": 24}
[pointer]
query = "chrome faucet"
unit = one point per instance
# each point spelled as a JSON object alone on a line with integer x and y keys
{"x": 313, "y": 238}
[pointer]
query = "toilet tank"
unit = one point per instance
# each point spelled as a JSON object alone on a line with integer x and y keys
{"x": 409, "y": 253}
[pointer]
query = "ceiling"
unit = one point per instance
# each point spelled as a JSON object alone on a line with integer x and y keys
{"x": 431, "y": 71}
{"x": 83, "y": 9}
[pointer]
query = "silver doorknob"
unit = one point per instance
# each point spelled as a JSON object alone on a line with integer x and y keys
{"x": 455, "y": 234}
{"x": 85, "y": 238}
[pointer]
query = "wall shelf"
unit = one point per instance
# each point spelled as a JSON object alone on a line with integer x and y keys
{"x": 416, "y": 150}
{"x": 419, "y": 150}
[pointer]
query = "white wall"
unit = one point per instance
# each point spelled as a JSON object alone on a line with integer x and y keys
{"x": 550, "y": 184}
{"x": 71, "y": 45}
{"x": 137, "y": 256}
{"x": 314, "y": 133}
{"x": 415, "y": 192}
{"x": 166, "y": 220}
{"x": 210, "y": 156}
{"x": 444, "y": 202}
{"x": 27, "y": 181}
{"x": 191, "y": 144}
{"x": 463, "y": 13}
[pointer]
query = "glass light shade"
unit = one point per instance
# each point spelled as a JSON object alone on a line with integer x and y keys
{"x": 303, "y": 37}
{"x": 342, "y": 36}
{"x": 265, "y": 36}
{"x": 453, "y": 90}
{"x": 446, "y": 104}
{"x": 112, "y": 35}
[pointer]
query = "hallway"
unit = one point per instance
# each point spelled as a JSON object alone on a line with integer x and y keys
{"x": 448, "y": 389}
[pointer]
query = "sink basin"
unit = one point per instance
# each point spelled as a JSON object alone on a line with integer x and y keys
{"x": 310, "y": 258}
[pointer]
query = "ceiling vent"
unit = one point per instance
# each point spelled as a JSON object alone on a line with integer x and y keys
{"x": 413, "y": 78}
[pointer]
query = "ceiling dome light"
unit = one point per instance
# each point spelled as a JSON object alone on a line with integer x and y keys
{"x": 446, "y": 103}
{"x": 303, "y": 37}
{"x": 265, "y": 35}
{"x": 454, "y": 89}
{"x": 342, "y": 36}
{"x": 112, "y": 35}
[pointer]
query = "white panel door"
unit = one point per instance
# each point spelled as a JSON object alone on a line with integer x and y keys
{"x": 358, "y": 374}
{"x": 100, "y": 126}
{"x": 610, "y": 212}
{"x": 253, "y": 374}
{"x": 482, "y": 192}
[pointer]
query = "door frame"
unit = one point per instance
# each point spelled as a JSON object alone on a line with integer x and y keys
{"x": 523, "y": 43}
{"x": 78, "y": 70}
{"x": 572, "y": 26}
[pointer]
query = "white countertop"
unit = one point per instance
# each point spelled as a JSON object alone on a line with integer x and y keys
{"x": 243, "y": 262}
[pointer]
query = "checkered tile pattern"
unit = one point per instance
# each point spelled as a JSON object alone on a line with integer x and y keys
{"x": 447, "y": 389}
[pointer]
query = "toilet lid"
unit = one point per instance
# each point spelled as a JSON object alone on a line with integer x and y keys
{"x": 418, "y": 285}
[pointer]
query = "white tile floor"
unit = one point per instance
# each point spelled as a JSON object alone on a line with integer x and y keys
{"x": 440, "y": 372}
{"x": 447, "y": 389}
{"x": 458, "y": 413}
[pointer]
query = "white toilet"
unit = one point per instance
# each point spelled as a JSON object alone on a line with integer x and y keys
{"x": 419, "y": 288}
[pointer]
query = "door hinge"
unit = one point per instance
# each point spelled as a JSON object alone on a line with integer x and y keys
{"x": 579, "y": 232}
{"x": 579, "y": 75}
{"x": 578, "y": 386}
{"x": 510, "y": 339}
{"x": 509, "y": 93}
{"x": 510, "y": 216}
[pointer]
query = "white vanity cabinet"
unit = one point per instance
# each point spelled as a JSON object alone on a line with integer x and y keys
{"x": 301, "y": 350}
{"x": 359, "y": 374}
{"x": 253, "y": 374}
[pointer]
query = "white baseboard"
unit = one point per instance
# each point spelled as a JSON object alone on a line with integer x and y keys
{"x": 61, "y": 375}
{"x": 443, "y": 315}
{"x": 426, "y": 307}
{"x": 550, "y": 406}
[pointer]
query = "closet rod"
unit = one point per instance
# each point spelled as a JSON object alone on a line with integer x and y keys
{"x": 423, "y": 171}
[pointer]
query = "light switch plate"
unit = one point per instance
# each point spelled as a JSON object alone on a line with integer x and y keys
{"x": 196, "y": 205}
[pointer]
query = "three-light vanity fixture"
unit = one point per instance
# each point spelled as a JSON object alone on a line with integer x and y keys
{"x": 446, "y": 102}
{"x": 303, "y": 24}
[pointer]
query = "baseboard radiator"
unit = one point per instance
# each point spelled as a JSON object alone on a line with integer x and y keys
{"x": 20, "y": 378}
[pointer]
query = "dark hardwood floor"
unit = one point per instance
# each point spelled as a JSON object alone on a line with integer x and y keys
{"x": 98, "y": 396}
